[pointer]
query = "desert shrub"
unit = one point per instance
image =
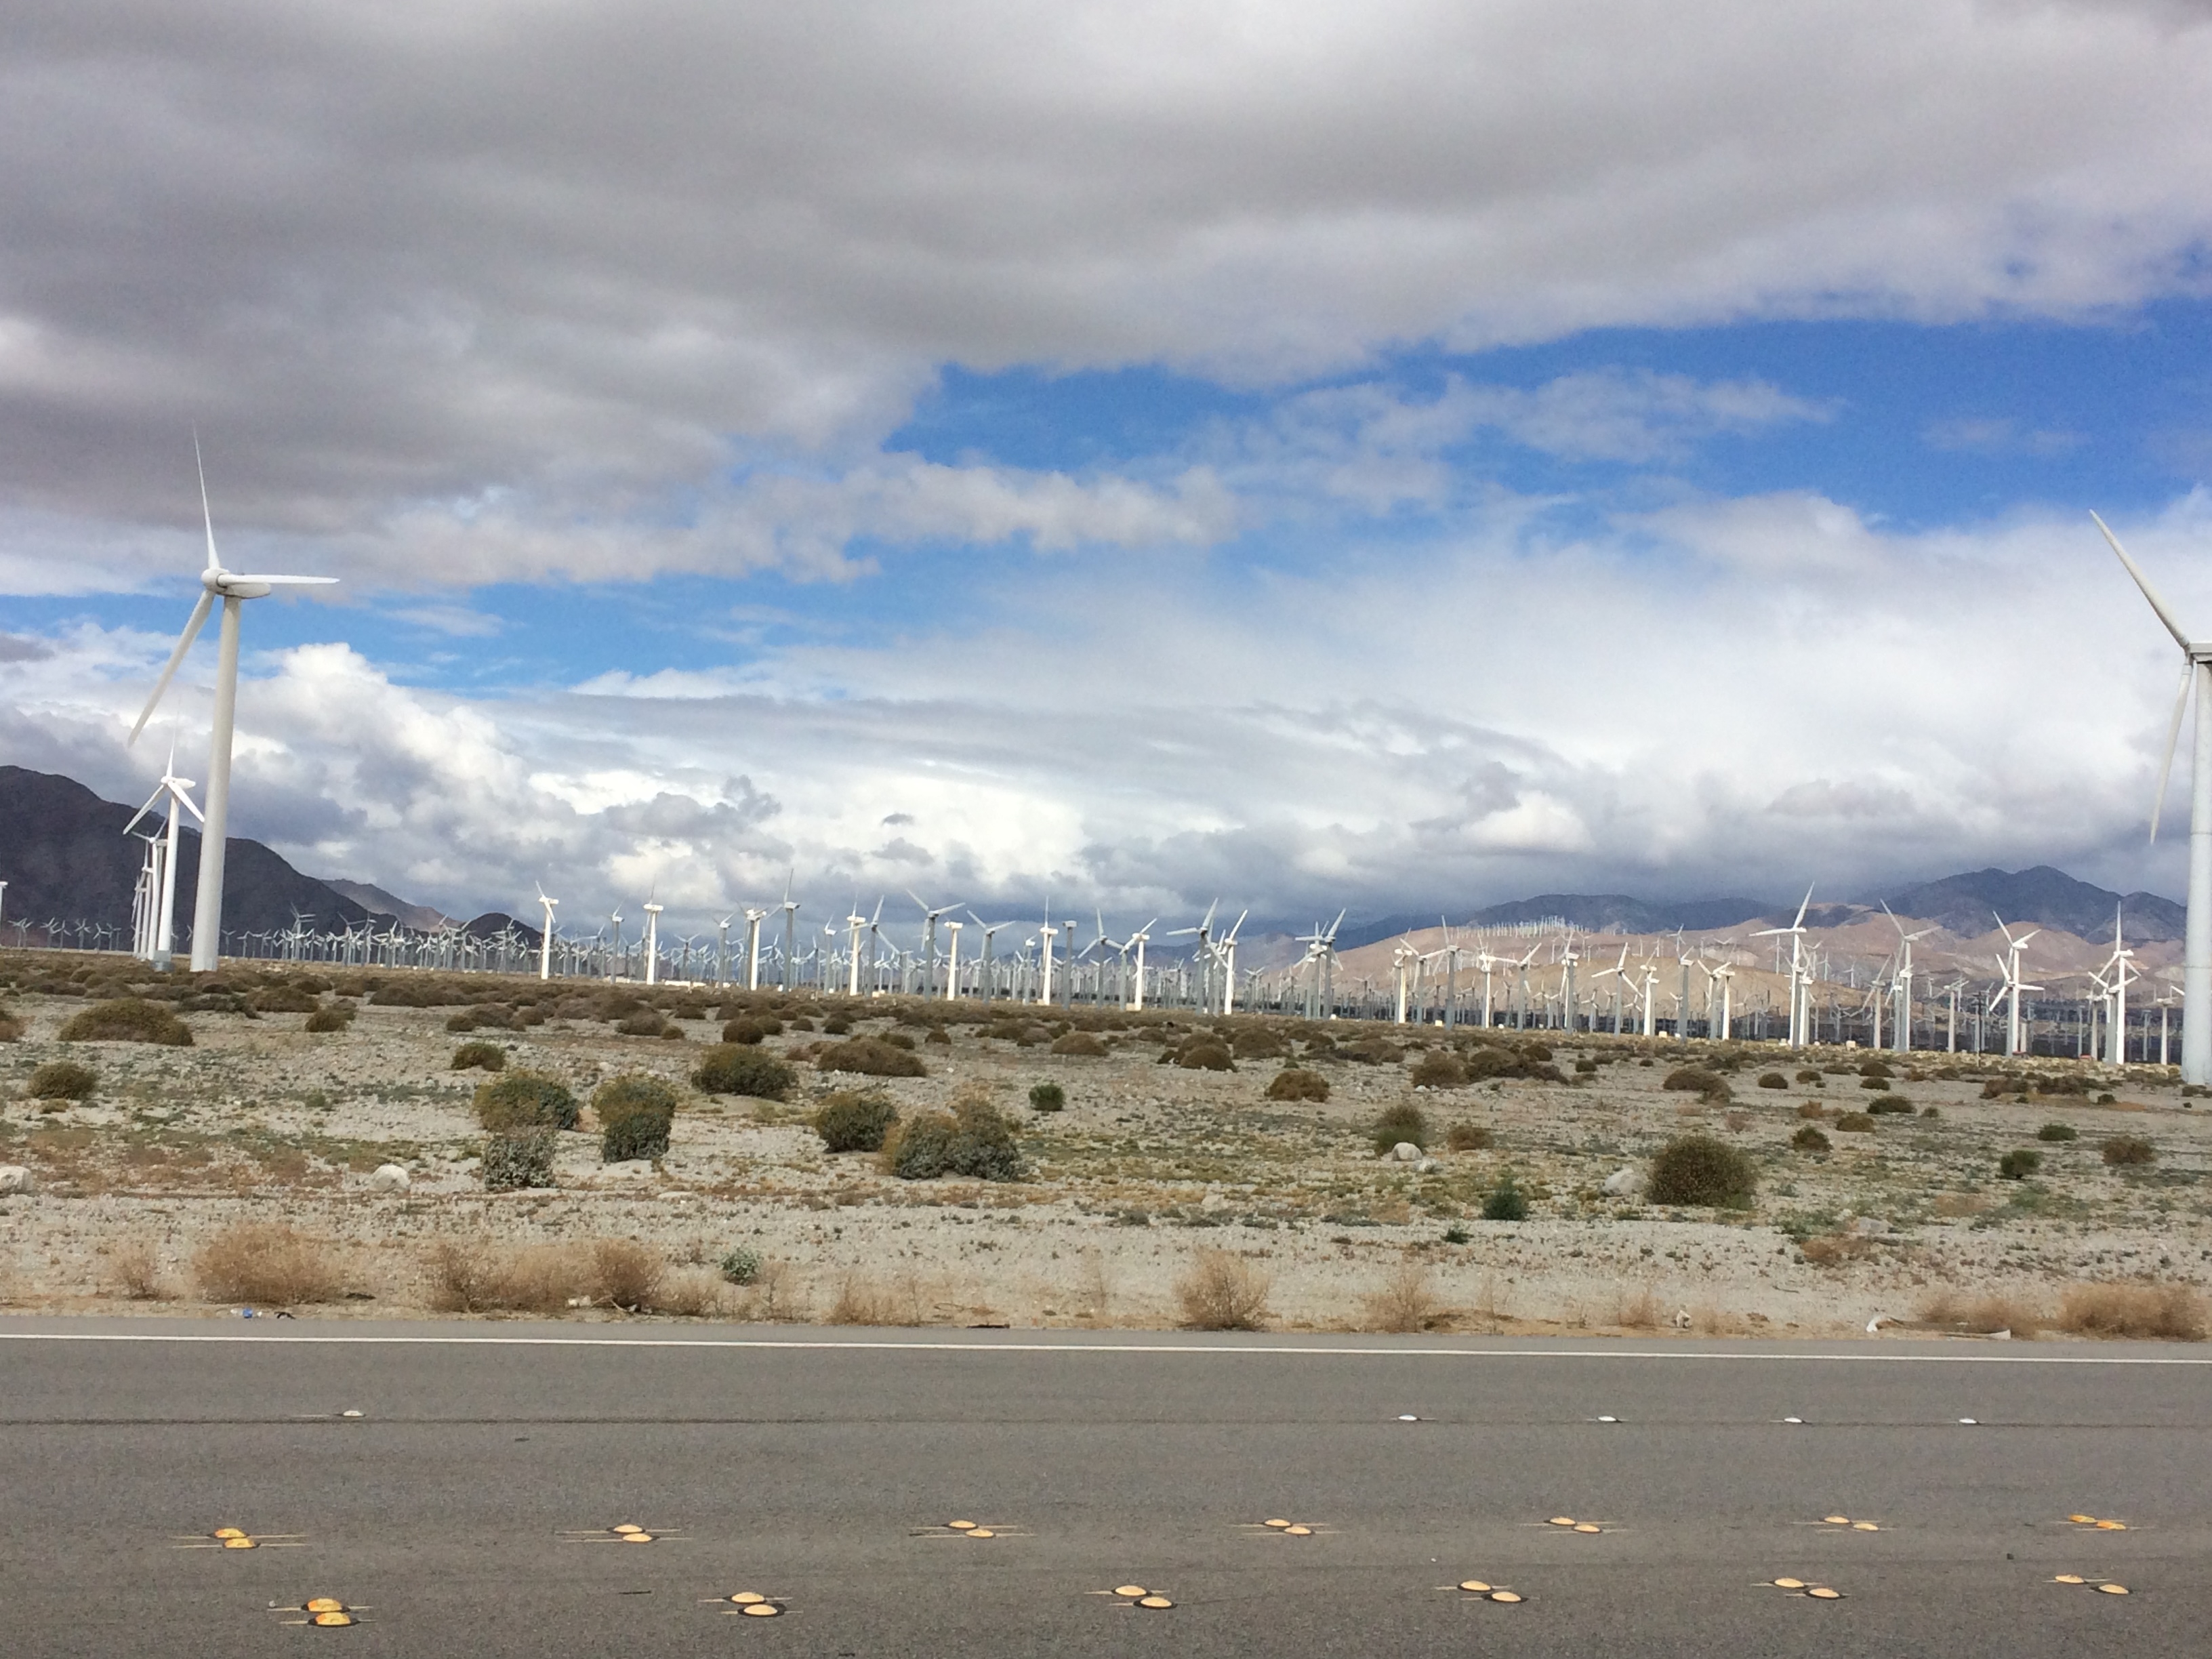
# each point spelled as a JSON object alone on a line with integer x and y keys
{"x": 851, "y": 1122}
{"x": 11, "y": 1028}
{"x": 2061, "y": 1086}
{"x": 520, "y": 1156}
{"x": 1396, "y": 1123}
{"x": 942, "y": 1038}
{"x": 1506, "y": 1202}
{"x": 645, "y": 1023}
{"x": 470, "y": 1277}
{"x": 1224, "y": 1292}
{"x": 1586, "y": 1067}
{"x": 1535, "y": 1051}
{"x": 973, "y": 1138}
{"x": 1439, "y": 1070}
{"x": 750, "y": 1029}
{"x": 624, "y": 1273}
{"x": 525, "y": 1100}
{"x": 728, "y": 1069}
{"x": 483, "y": 1056}
{"x": 1811, "y": 1109}
{"x": 2058, "y": 1132}
{"x": 741, "y": 1266}
{"x": 635, "y": 1114}
{"x": 1469, "y": 1137}
{"x": 2171, "y": 1313}
{"x": 1206, "y": 1054}
{"x": 1698, "y": 1080}
{"x": 415, "y": 993}
{"x": 1372, "y": 1051}
{"x": 1296, "y": 1082}
{"x": 871, "y": 1058}
{"x": 2119, "y": 1150}
{"x": 1487, "y": 1060}
{"x": 137, "y": 1272}
{"x": 1080, "y": 1043}
{"x": 1890, "y": 1106}
{"x": 128, "y": 1019}
{"x": 1855, "y": 1123}
{"x": 325, "y": 1020}
{"x": 1877, "y": 1070}
{"x": 1772, "y": 1080}
{"x": 835, "y": 1025}
{"x": 897, "y": 1040}
{"x": 1406, "y": 1301}
{"x": 283, "y": 999}
{"x": 62, "y": 1079}
{"x": 1810, "y": 1139}
{"x": 463, "y": 1021}
{"x": 1257, "y": 1042}
{"x": 1699, "y": 1169}
{"x": 267, "y": 1262}
{"x": 1807, "y": 1074}
{"x": 1048, "y": 1097}
{"x": 1877, "y": 1083}
{"x": 2019, "y": 1164}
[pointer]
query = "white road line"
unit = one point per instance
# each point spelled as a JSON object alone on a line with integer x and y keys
{"x": 1211, "y": 1349}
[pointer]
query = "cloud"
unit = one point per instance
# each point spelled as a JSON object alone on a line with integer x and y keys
{"x": 531, "y": 256}
{"x": 1999, "y": 435}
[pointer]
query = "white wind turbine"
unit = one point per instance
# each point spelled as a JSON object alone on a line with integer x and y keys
{"x": 1903, "y": 1018}
{"x": 929, "y": 941}
{"x": 232, "y": 589}
{"x": 753, "y": 920}
{"x": 545, "y": 939}
{"x": 652, "y": 910}
{"x": 164, "y": 930}
{"x": 1138, "y": 940}
{"x": 856, "y": 922}
{"x": 1225, "y": 954}
{"x": 791, "y": 928}
{"x": 1799, "y": 981}
{"x": 2197, "y": 931}
{"x": 2008, "y": 965}
{"x": 952, "y": 961}
{"x": 2122, "y": 964}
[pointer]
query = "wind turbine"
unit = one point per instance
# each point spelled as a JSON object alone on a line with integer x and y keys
{"x": 753, "y": 920}
{"x": 1799, "y": 981}
{"x": 791, "y": 928}
{"x": 232, "y": 589}
{"x": 2197, "y": 931}
{"x": 929, "y": 942}
{"x": 165, "y": 901}
{"x": 1904, "y": 1034}
{"x": 855, "y": 921}
{"x": 952, "y": 961}
{"x": 2122, "y": 963}
{"x": 1225, "y": 954}
{"x": 545, "y": 939}
{"x": 2008, "y": 965}
{"x": 652, "y": 937}
{"x": 1137, "y": 938}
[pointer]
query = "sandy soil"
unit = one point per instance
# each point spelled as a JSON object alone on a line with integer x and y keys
{"x": 1149, "y": 1166}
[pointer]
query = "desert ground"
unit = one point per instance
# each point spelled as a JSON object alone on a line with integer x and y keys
{"x": 247, "y": 1160}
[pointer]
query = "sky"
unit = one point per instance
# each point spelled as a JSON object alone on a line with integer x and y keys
{"x": 1385, "y": 456}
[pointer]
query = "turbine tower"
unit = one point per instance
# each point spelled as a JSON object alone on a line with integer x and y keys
{"x": 545, "y": 939}
{"x": 165, "y": 901}
{"x": 1799, "y": 980}
{"x": 2197, "y": 931}
{"x": 232, "y": 589}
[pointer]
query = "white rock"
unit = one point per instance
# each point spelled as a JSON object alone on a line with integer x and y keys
{"x": 1406, "y": 1153}
{"x": 1622, "y": 1183}
{"x": 1426, "y": 1166}
{"x": 1869, "y": 1226}
{"x": 388, "y": 1178}
{"x": 1681, "y": 1319}
{"x": 15, "y": 1178}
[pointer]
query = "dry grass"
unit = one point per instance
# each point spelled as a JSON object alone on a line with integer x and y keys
{"x": 1404, "y": 1301}
{"x": 271, "y": 1263}
{"x": 2167, "y": 1313}
{"x": 1829, "y": 1249}
{"x": 625, "y": 1274}
{"x": 137, "y": 1273}
{"x": 1961, "y": 1204}
{"x": 1224, "y": 1292}
{"x": 1981, "y": 1315}
{"x": 865, "y": 1301}
{"x": 1636, "y": 1310}
{"x": 472, "y": 1276}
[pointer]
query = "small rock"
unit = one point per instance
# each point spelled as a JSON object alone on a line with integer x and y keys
{"x": 388, "y": 1178}
{"x": 1621, "y": 1183}
{"x": 15, "y": 1178}
{"x": 1426, "y": 1166}
{"x": 1869, "y": 1226}
{"x": 1681, "y": 1319}
{"x": 1406, "y": 1153}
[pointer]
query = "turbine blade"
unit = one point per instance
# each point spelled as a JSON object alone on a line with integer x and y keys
{"x": 2172, "y": 738}
{"x": 206, "y": 515}
{"x": 2142, "y": 581}
{"x": 285, "y": 581}
{"x": 147, "y": 807}
{"x": 184, "y": 643}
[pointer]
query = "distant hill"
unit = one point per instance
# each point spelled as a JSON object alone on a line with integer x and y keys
{"x": 423, "y": 918}
{"x": 2041, "y": 896}
{"x": 63, "y": 853}
{"x": 1591, "y": 912}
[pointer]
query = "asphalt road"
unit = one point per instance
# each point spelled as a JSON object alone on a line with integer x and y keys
{"x": 467, "y": 1509}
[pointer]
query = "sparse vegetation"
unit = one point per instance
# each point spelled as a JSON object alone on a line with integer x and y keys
{"x": 974, "y": 1139}
{"x": 1506, "y": 1201}
{"x": 1395, "y": 1124}
{"x": 518, "y": 1158}
{"x": 852, "y": 1122}
{"x": 267, "y": 1263}
{"x": 1080, "y": 1043}
{"x": 868, "y": 1057}
{"x": 2170, "y": 1313}
{"x": 1469, "y": 1137}
{"x": 741, "y": 1266}
{"x": 324, "y": 1021}
{"x": 62, "y": 1079}
{"x": 1439, "y": 1070}
{"x": 1224, "y": 1292}
{"x": 1296, "y": 1083}
{"x": 1772, "y": 1080}
{"x": 1048, "y": 1097}
{"x": 523, "y": 1100}
{"x": 1810, "y": 1139}
{"x": 1698, "y": 1080}
{"x": 1208, "y": 1055}
{"x": 128, "y": 1019}
{"x": 1406, "y": 1301}
{"x": 748, "y": 1030}
{"x": 1855, "y": 1123}
{"x": 729, "y": 1069}
{"x": 2057, "y": 1131}
{"x": 635, "y": 1115}
{"x": 1699, "y": 1169}
{"x": 2020, "y": 1164}
{"x": 2122, "y": 1152}
{"x": 479, "y": 1056}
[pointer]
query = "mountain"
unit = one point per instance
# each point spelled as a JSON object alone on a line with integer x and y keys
{"x": 1591, "y": 912}
{"x": 1969, "y": 904}
{"x": 422, "y": 918}
{"x": 63, "y": 853}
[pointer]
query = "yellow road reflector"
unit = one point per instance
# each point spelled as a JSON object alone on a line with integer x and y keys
{"x": 1132, "y": 1591}
{"x": 1474, "y": 1584}
{"x": 760, "y": 1610}
{"x": 2069, "y": 1578}
{"x": 1864, "y": 1526}
{"x": 332, "y": 1620}
{"x": 324, "y": 1604}
{"x": 229, "y": 1532}
{"x": 2112, "y": 1589}
{"x": 980, "y": 1532}
{"x": 626, "y": 1527}
{"x": 1588, "y": 1526}
{"x": 1822, "y": 1593}
{"x": 637, "y": 1538}
{"x": 1837, "y": 1519}
{"x": 1503, "y": 1596}
{"x": 239, "y": 1544}
{"x": 1790, "y": 1584}
{"x": 961, "y": 1526}
{"x": 749, "y": 1598}
{"x": 1155, "y": 1602}
{"x": 1275, "y": 1523}
{"x": 2111, "y": 1526}
{"x": 1562, "y": 1520}
{"x": 1297, "y": 1532}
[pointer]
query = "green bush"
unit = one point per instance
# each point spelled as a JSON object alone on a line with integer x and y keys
{"x": 525, "y": 1100}
{"x": 1890, "y": 1106}
{"x": 635, "y": 1112}
{"x": 1810, "y": 1139}
{"x": 1506, "y": 1201}
{"x": 518, "y": 1158}
{"x": 871, "y": 1058}
{"x": 741, "y": 1266}
{"x": 1295, "y": 1083}
{"x": 728, "y": 1069}
{"x": 835, "y": 1025}
{"x": 2020, "y": 1165}
{"x": 1467, "y": 1138}
{"x": 482, "y": 1056}
{"x": 1397, "y": 1123}
{"x": 1048, "y": 1096}
{"x": 1699, "y": 1169}
{"x": 1772, "y": 1080}
{"x": 2058, "y": 1132}
{"x": 130, "y": 1019}
{"x": 2129, "y": 1149}
{"x": 62, "y": 1079}
{"x": 750, "y": 1029}
{"x": 338, "y": 1017}
{"x": 972, "y": 1140}
{"x": 851, "y": 1122}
